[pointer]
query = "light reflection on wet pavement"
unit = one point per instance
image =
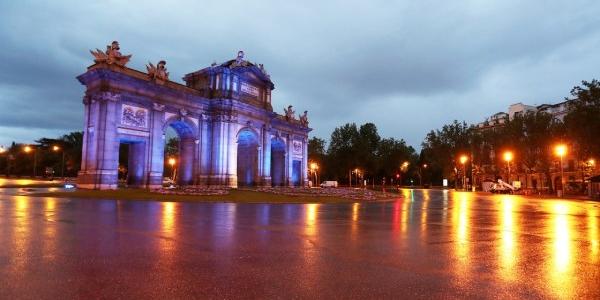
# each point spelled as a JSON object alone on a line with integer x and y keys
{"x": 430, "y": 244}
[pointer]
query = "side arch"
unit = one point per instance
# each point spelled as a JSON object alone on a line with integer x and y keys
{"x": 247, "y": 157}
{"x": 278, "y": 166}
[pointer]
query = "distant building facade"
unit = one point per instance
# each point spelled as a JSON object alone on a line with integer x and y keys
{"x": 491, "y": 167}
{"x": 228, "y": 132}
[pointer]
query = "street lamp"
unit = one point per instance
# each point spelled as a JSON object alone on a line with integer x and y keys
{"x": 463, "y": 161}
{"x": 172, "y": 163}
{"x": 314, "y": 167}
{"x": 403, "y": 168}
{"x": 560, "y": 150}
{"x": 508, "y": 157}
{"x": 424, "y": 166}
{"x": 62, "y": 165}
{"x": 29, "y": 149}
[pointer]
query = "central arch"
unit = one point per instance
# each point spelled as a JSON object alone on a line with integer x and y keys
{"x": 247, "y": 158}
{"x": 187, "y": 145}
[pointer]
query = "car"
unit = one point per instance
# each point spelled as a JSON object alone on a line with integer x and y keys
{"x": 168, "y": 182}
{"x": 329, "y": 183}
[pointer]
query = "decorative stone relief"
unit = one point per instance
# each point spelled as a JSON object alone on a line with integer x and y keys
{"x": 134, "y": 116}
{"x": 158, "y": 106}
{"x": 297, "y": 147}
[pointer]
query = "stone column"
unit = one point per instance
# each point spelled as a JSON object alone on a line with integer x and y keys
{"x": 157, "y": 147}
{"x": 205, "y": 144}
{"x": 231, "y": 154}
{"x": 266, "y": 151}
{"x": 102, "y": 150}
{"x": 289, "y": 161}
{"x": 305, "y": 162}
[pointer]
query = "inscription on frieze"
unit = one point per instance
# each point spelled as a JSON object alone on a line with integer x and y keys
{"x": 249, "y": 89}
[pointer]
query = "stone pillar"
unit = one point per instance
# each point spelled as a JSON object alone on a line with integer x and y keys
{"x": 157, "y": 147}
{"x": 223, "y": 153}
{"x": 231, "y": 154}
{"x": 102, "y": 144}
{"x": 206, "y": 143}
{"x": 185, "y": 169}
{"x": 289, "y": 161}
{"x": 305, "y": 163}
{"x": 266, "y": 157}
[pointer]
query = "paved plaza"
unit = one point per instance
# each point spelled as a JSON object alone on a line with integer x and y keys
{"x": 427, "y": 244}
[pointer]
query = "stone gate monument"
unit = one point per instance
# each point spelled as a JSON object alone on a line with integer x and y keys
{"x": 229, "y": 134}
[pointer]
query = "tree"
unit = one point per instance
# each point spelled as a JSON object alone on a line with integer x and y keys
{"x": 391, "y": 154}
{"x": 342, "y": 152}
{"x": 316, "y": 150}
{"x": 582, "y": 122}
{"x": 442, "y": 147}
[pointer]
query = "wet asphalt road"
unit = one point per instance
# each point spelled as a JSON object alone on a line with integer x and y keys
{"x": 430, "y": 244}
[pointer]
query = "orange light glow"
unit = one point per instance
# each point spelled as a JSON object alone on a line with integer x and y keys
{"x": 463, "y": 159}
{"x": 560, "y": 150}
{"x": 172, "y": 161}
{"x": 508, "y": 156}
{"x": 27, "y": 149}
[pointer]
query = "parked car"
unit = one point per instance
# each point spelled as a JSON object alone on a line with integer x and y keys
{"x": 326, "y": 184}
{"x": 168, "y": 182}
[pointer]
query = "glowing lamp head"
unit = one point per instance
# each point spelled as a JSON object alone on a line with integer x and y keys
{"x": 2, "y": 149}
{"x": 463, "y": 159}
{"x": 314, "y": 166}
{"x": 27, "y": 149}
{"x": 424, "y": 165}
{"x": 172, "y": 161}
{"x": 508, "y": 156}
{"x": 591, "y": 162}
{"x": 55, "y": 148}
{"x": 560, "y": 150}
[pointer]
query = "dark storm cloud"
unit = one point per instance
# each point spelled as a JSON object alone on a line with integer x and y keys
{"x": 408, "y": 66}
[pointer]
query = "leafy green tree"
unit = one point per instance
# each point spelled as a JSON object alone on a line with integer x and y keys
{"x": 342, "y": 152}
{"x": 316, "y": 150}
{"x": 442, "y": 147}
{"x": 583, "y": 119}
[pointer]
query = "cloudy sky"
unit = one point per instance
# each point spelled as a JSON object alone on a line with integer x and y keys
{"x": 407, "y": 66}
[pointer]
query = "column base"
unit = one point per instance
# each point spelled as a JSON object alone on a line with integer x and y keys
{"x": 97, "y": 179}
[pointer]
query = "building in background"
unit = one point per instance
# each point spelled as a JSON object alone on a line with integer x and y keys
{"x": 491, "y": 166}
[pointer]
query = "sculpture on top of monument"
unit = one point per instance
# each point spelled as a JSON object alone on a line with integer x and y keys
{"x": 239, "y": 60}
{"x": 158, "y": 73}
{"x": 304, "y": 119}
{"x": 111, "y": 55}
{"x": 289, "y": 113}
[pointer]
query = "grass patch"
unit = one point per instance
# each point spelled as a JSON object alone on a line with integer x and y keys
{"x": 233, "y": 196}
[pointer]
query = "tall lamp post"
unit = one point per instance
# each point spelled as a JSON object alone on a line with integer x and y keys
{"x": 463, "y": 161}
{"x": 561, "y": 150}
{"x": 314, "y": 167}
{"x": 403, "y": 168}
{"x": 172, "y": 163}
{"x": 29, "y": 149}
{"x": 424, "y": 166}
{"x": 62, "y": 164}
{"x": 508, "y": 157}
